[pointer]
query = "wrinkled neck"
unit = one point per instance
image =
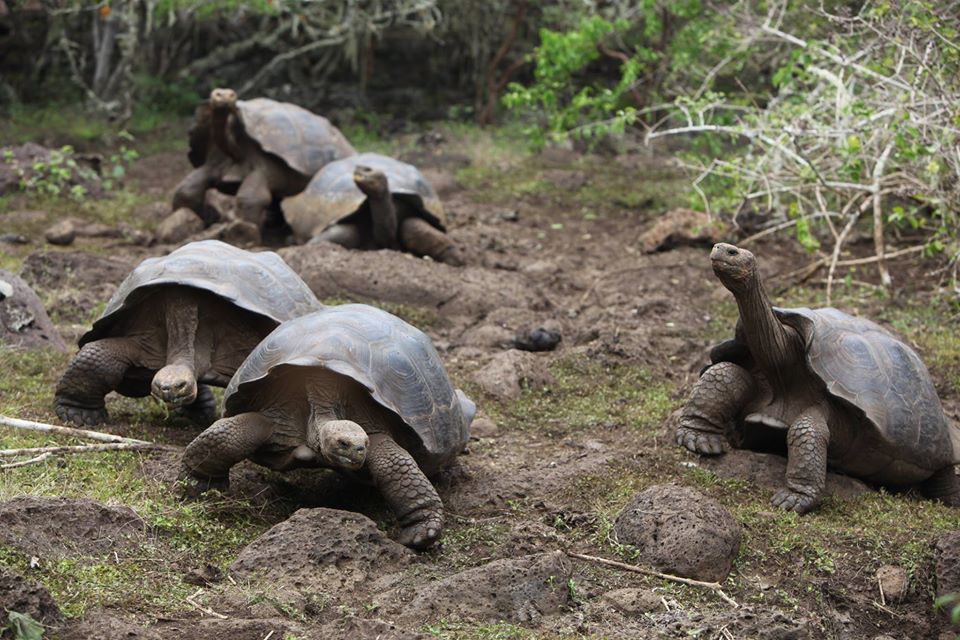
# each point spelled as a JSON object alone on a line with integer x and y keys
{"x": 182, "y": 320}
{"x": 383, "y": 213}
{"x": 221, "y": 133}
{"x": 770, "y": 342}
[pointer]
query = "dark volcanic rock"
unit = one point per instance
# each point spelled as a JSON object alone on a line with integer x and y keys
{"x": 679, "y": 530}
{"x": 24, "y": 322}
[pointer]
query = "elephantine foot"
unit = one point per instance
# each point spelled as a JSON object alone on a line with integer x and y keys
{"x": 790, "y": 500}
{"x": 423, "y": 534}
{"x": 702, "y": 442}
{"x": 191, "y": 486}
{"x": 203, "y": 410}
{"x": 80, "y": 416}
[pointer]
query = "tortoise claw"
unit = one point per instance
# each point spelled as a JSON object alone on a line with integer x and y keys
{"x": 80, "y": 416}
{"x": 708, "y": 444}
{"x": 423, "y": 534}
{"x": 790, "y": 500}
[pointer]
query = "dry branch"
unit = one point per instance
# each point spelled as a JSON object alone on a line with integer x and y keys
{"x": 83, "y": 448}
{"x": 22, "y": 463}
{"x": 714, "y": 586}
{"x": 68, "y": 431}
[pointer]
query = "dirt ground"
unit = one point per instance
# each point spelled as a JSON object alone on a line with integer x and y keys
{"x": 565, "y": 439}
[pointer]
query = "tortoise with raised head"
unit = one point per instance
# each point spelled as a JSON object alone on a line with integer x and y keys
{"x": 841, "y": 390}
{"x": 350, "y": 388}
{"x": 372, "y": 201}
{"x": 178, "y": 323}
{"x": 259, "y": 149}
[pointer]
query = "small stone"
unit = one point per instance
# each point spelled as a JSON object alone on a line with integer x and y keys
{"x": 484, "y": 428}
{"x": 178, "y": 226}
{"x": 505, "y": 375}
{"x": 510, "y": 215}
{"x": 62, "y": 234}
{"x": 14, "y": 238}
{"x": 239, "y": 233}
{"x": 633, "y": 602}
{"x": 539, "y": 339}
{"x": 6, "y": 289}
{"x": 894, "y": 581}
{"x": 219, "y": 207}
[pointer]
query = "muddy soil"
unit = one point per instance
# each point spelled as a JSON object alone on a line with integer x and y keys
{"x": 525, "y": 490}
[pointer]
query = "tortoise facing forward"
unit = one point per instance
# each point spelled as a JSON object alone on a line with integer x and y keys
{"x": 191, "y": 316}
{"x": 351, "y": 388}
{"x": 843, "y": 391}
{"x": 372, "y": 201}
{"x": 259, "y": 149}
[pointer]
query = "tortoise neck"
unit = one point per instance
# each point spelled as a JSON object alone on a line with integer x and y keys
{"x": 182, "y": 320}
{"x": 221, "y": 131}
{"x": 770, "y": 342}
{"x": 383, "y": 214}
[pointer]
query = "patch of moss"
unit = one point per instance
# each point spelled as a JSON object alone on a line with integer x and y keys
{"x": 589, "y": 395}
{"x": 447, "y": 630}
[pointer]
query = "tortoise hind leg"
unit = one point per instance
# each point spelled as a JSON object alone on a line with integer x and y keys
{"x": 409, "y": 493}
{"x": 96, "y": 370}
{"x": 345, "y": 235}
{"x": 943, "y": 486}
{"x": 717, "y": 397}
{"x": 421, "y": 238}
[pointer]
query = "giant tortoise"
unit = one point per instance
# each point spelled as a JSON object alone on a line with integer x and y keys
{"x": 187, "y": 317}
{"x": 351, "y": 388}
{"x": 259, "y": 149}
{"x": 840, "y": 390}
{"x": 372, "y": 201}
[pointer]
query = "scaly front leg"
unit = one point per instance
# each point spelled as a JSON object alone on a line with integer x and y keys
{"x": 717, "y": 397}
{"x": 407, "y": 490}
{"x": 807, "y": 442}
{"x": 97, "y": 370}
{"x": 207, "y": 460}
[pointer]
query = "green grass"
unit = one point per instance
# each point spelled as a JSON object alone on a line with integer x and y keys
{"x": 182, "y": 535}
{"x": 446, "y": 630}
{"x": 588, "y": 395}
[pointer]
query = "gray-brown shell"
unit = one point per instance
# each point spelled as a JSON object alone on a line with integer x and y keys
{"x": 261, "y": 283}
{"x": 302, "y": 139}
{"x": 395, "y": 361}
{"x": 332, "y": 196}
{"x": 862, "y": 364}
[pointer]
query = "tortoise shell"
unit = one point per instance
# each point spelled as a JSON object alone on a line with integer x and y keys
{"x": 332, "y": 196}
{"x": 302, "y": 139}
{"x": 865, "y": 366}
{"x": 261, "y": 283}
{"x": 393, "y": 360}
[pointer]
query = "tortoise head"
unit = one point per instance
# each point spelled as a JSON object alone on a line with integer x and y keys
{"x": 175, "y": 385}
{"x": 342, "y": 444}
{"x": 735, "y": 267}
{"x": 371, "y": 181}
{"x": 223, "y": 98}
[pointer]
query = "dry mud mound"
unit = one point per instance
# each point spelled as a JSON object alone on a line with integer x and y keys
{"x": 27, "y": 597}
{"x": 62, "y": 526}
{"x": 392, "y": 276}
{"x": 520, "y": 590}
{"x": 770, "y": 470}
{"x": 75, "y": 282}
{"x": 338, "y": 550}
{"x": 24, "y": 322}
{"x": 681, "y": 531}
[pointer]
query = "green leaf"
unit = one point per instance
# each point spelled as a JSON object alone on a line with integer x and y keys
{"x": 24, "y": 627}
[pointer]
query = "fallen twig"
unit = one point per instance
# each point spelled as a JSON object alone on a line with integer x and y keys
{"x": 83, "y": 448}
{"x": 715, "y": 586}
{"x": 69, "y": 431}
{"x": 206, "y": 610}
{"x": 22, "y": 463}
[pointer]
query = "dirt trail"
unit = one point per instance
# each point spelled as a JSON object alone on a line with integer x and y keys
{"x": 549, "y": 466}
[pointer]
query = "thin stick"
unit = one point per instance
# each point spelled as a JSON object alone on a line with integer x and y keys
{"x": 83, "y": 448}
{"x": 883, "y": 598}
{"x": 715, "y": 586}
{"x": 22, "y": 463}
{"x": 68, "y": 431}
{"x": 878, "y": 169}
{"x": 202, "y": 608}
